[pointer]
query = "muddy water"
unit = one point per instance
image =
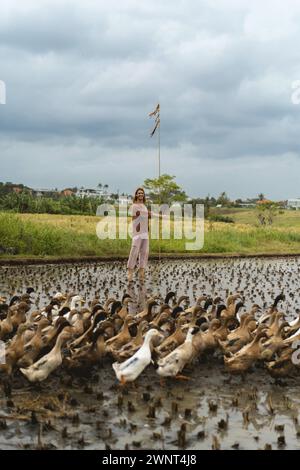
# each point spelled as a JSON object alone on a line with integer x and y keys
{"x": 91, "y": 411}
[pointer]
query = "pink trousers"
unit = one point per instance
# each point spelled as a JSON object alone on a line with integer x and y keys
{"x": 139, "y": 248}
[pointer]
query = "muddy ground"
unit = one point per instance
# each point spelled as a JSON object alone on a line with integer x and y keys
{"x": 91, "y": 411}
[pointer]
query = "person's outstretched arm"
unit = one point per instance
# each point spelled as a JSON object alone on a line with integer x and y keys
{"x": 157, "y": 215}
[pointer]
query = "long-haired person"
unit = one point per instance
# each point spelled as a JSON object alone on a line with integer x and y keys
{"x": 140, "y": 235}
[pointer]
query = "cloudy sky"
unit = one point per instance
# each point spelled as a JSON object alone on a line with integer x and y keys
{"x": 82, "y": 76}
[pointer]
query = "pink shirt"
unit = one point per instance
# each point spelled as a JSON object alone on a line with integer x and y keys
{"x": 140, "y": 223}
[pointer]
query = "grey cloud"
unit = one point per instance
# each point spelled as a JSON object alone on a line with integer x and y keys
{"x": 81, "y": 79}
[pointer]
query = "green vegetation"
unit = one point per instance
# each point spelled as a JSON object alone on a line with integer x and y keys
{"x": 266, "y": 212}
{"x": 21, "y": 199}
{"x": 221, "y": 218}
{"x": 164, "y": 189}
{"x": 24, "y": 202}
{"x": 289, "y": 219}
{"x": 26, "y": 235}
{"x": 59, "y": 224}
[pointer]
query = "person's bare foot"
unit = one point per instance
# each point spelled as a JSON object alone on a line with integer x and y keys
{"x": 141, "y": 274}
{"x": 130, "y": 275}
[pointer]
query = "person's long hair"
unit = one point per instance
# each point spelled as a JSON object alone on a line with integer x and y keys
{"x": 135, "y": 195}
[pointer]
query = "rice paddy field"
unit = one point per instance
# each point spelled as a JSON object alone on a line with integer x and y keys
{"x": 212, "y": 410}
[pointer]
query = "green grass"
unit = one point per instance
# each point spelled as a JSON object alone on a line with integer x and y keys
{"x": 288, "y": 218}
{"x": 43, "y": 235}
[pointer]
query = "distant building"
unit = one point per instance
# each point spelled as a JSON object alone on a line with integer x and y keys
{"x": 44, "y": 192}
{"x": 67, "y": 192}
{"x": 85, "y": 192}
{"x": 123, "y": 200}
{"x": 96, "y": 193}
{"x": 293, "y": 203}
{"x": 261, "y": 202}
{"x": 246, "y": 204}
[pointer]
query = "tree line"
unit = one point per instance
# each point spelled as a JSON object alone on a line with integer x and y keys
{"x": 19, "y": 198}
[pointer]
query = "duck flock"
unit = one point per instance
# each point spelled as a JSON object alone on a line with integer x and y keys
{"x": 242, "y": 312}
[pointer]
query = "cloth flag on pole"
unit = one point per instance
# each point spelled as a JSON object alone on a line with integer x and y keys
{"x": 156, "y": 115}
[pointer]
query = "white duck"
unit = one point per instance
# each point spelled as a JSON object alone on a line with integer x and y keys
{"x": 129, "y": 370}
{"x": 72, "y": 316}
{"x": 59, "y": 296}
{"x": 290, "y": 339}
{"x": 294, "y": 324}
{"x": 173, "y": 363}
{"x": 41, "y": 369}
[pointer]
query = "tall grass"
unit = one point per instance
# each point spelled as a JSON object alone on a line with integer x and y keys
{"x": 67, "y": 236}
